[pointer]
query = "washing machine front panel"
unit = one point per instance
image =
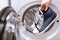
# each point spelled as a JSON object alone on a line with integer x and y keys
{"x": 39, "y": 36}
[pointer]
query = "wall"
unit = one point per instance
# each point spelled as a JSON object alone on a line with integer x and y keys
{"x": 3, "y": 3}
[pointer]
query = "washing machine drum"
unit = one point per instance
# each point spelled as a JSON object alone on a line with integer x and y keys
{"x": 33, "y": 18}
{"x": 7, "y": 19}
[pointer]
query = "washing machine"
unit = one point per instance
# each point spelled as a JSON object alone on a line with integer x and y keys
{"x": 49, "y": 31}
{"x": 28, "y": 22}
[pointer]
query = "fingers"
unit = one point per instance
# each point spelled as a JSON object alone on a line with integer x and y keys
{"x": 45, "y": 4}
{"x": 43, "y": 7}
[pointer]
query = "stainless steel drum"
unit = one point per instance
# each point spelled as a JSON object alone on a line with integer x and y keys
{"x": 33, "y": 18}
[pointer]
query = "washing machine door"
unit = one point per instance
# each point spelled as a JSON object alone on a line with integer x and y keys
{"x": 9, "y": 20}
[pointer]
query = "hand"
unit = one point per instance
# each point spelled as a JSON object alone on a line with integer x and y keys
{"x": 45, "y": 4}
